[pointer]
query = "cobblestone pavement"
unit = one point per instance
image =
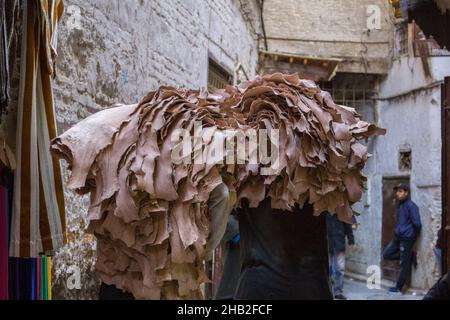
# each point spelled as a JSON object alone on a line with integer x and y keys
{"x": 357, "y": 290}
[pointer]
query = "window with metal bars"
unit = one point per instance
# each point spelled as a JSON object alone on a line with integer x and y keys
{"x": 405, "y": 160}
{"x": 351, "y": 97}
{"x": 401, "y": 40}
{"x": 218, "y": 77}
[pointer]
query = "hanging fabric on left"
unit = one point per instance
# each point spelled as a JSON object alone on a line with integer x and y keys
{"x": 38, "y": 221}
{"x": 4, "y": 67}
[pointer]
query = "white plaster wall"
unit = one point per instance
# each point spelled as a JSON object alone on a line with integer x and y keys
{"x": 412, "y": 117}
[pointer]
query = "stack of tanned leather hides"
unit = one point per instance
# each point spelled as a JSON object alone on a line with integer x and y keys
{"x": 149, "y": 212}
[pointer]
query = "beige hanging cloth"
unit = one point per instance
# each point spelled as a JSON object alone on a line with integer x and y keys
{"x": 38, "y": 222}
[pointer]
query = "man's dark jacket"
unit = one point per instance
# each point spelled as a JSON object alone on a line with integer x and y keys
{"x": 337, "y": 231}
{"x": 408, "y": 220}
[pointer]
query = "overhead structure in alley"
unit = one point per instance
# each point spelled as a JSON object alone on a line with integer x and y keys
{"x": 308, "y": 67}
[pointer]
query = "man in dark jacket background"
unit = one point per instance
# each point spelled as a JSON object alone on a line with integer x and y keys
{"x": 407, "y": 230}
{"x": 337, "y": 231}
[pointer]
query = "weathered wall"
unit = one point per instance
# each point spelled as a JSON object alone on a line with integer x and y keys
{"x": 111, "y": 51}
{"x": 330, "y": 28}
{"x": 412, "y": 116}
{"x": 116, "y": 51}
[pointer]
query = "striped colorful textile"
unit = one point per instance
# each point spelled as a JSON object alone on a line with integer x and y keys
{"x": 30, "y": 278}
{"x": 38, "y": 221}
{"x": 49, "y": 278}
{"x": 43, "y": 275}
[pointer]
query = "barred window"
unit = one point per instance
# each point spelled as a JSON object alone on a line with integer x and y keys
{"x": 218, "y": 77}
{"x": 405, "y": 160}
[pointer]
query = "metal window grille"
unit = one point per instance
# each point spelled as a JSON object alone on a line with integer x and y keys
{"x": 405, "y": 160}
{"x": 403, "y": 39}
{"x": 218, "y": 77}
{"x": 351, "y": 97}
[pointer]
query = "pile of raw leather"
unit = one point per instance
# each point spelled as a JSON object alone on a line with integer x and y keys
{"x": 149, "y": 213}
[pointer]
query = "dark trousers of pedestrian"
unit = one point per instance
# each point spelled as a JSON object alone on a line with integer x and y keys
{"x": 400, "y": 250}
{"x": 337, "y": 271}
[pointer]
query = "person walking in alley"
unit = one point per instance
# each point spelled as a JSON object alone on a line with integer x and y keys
{"x": 407, "y": 229}
{"x": 337, "y": 231}
{"x": 231, "y": 261}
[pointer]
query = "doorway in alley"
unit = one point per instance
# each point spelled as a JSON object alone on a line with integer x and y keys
{"x": 389, "y": 269}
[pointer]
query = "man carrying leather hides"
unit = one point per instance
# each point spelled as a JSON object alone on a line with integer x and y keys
{"x": 151, "y": 170}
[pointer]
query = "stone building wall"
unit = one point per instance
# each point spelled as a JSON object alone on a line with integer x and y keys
{"x": 115, "y": 52}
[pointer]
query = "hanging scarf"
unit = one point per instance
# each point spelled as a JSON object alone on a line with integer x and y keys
{"x": 38, "y": 222}
{"x": 4, "y": 69}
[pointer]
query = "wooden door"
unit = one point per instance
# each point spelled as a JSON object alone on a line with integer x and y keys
{"x": 389, "y": 269}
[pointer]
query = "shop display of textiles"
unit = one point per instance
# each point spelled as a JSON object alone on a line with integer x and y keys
{"x": 30, "y": 278}
{"x": 37, "y": 228}
{"x": 27, "y": 231}
{"x": 149, "y": 212}
{"x": 20, "y": 278}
